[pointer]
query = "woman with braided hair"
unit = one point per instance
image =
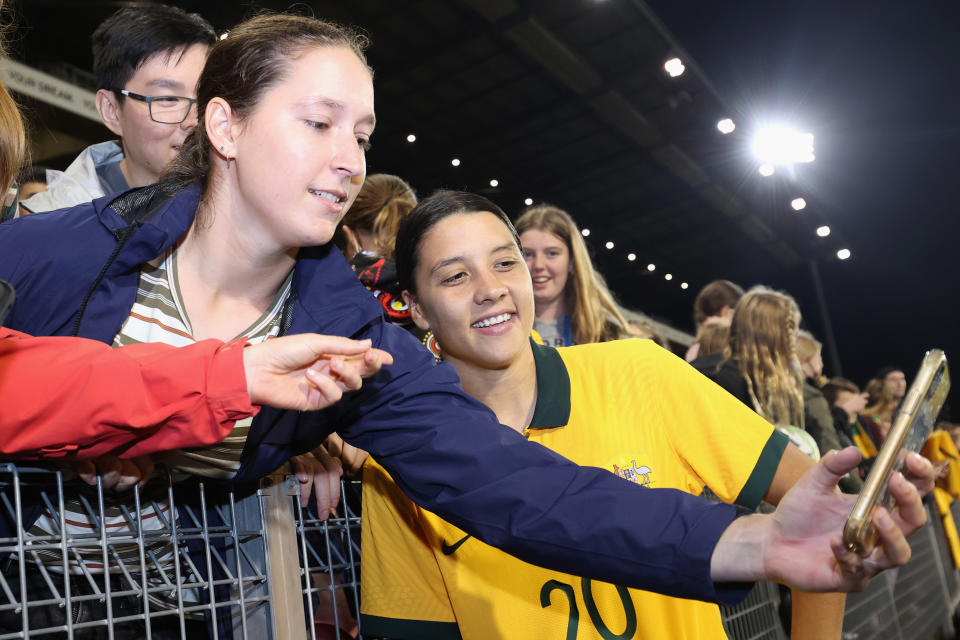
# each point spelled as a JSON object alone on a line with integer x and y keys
{"x": 760, "y": 366}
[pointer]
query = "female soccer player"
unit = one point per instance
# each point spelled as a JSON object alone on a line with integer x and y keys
{"x": 628, "y": 406}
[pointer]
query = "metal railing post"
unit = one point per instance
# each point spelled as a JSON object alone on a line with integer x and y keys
{"x": 283, "y": 567}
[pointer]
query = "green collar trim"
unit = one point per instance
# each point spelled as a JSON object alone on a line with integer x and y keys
{"x": 553, "y": 389}
{"x": 376, "y": 626}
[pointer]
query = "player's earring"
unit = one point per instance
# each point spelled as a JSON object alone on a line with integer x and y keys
{"x": 430, "y": 342}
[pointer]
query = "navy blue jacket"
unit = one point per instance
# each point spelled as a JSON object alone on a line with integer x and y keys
{"x": 76, "y": 270}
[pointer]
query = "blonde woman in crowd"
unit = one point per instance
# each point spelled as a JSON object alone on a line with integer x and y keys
{"x": 713, "y": 339}
{"x": 819, "y": 418}
{"x": 370, "y": 226}
{"x": 573, "y": 303}
{"x": 763, "y": 343}
{"x": 760, "y": 366}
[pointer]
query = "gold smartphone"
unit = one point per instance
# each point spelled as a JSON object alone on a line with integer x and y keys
{"x": 912, "y": 424}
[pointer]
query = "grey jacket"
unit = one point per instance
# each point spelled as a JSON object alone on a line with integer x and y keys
{"x": 79, "y": 183}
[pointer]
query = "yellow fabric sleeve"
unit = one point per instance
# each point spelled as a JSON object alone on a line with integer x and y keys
{"x": 725, "y": 445}
{"x": 723, "y": 440}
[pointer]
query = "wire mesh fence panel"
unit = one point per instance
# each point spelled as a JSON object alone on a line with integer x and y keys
{"x": 911, "y": 602}
{"x": 757, "y": 617}
{"x": 920, "y": 592}
{"x": 329, "y": 554}
{"x": 951, "y": 582}
{"x": 871, "y": 614}
{"x": 166, "y": 561}
{"x": 195, "y": 559}
{"x": 915, "y": 601}
{"x": 954, "y": 586}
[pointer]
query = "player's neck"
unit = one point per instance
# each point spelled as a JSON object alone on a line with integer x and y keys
{"x": 511, "y": 392}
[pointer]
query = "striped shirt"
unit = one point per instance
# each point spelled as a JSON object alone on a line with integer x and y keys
{"x": 157, "y": 315}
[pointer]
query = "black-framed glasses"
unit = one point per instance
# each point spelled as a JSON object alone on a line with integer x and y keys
{"x": 164, "y": 109}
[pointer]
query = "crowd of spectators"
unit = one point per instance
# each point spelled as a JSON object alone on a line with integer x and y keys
{"x": 148, "y": 61}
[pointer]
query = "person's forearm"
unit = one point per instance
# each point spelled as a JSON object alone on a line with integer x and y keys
{"x": 77, "y": 398}
{"x": 817, "y": 616}
{"x": 739, "y": 553}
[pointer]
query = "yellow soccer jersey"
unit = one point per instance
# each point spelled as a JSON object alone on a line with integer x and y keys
{"x": 629, "y": 407}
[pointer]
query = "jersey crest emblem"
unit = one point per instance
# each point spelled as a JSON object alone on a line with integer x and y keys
{"x": 633, "y": 473}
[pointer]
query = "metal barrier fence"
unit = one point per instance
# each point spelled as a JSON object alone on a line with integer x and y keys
{"x": 757, "y": 617}
{"x": 192, "y": 559}
{"x": 912, "y": 602}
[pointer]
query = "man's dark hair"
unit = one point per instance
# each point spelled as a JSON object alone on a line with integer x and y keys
{"x": 713, "y": 298}
{"x": 32, "y": 173}
{"x": 128, "y": 38}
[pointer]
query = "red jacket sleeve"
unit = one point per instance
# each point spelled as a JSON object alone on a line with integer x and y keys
{"x": 77, "y": 398}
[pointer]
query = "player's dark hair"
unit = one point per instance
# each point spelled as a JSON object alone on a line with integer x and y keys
{"x": 425, "y": 216}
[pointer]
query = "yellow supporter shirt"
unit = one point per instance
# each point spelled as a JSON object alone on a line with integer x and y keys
{"x": 629, "y": 407}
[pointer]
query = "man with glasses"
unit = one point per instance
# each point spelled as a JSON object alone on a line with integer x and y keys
{"x": 147, "y": 59}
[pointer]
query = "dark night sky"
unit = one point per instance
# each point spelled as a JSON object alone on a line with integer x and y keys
{"x": 877, "y": 85}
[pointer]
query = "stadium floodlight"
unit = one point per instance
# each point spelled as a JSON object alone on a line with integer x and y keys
{"x": 651, "y": 267}
{"x": 455, "y": 162}
{"x": 631, "y": 257}
{"x": 494, "y": 183}
{"x": 823, "y": 231}
{"x": 779, "y": 145}
{"x": 609, "y": 244}
{"x": 726, "y": 126}
{"x": 528, "y": 201}
{"x": 411, "y": 138}
{"x": 798, "y": 204}
{"x": 684, "y": 285}
{"x": 668, "y": 276}
{"x": 585, "y": 232}
{"x": 674, "y": 67}
{"x": 843, "y": 254}
{"x": 766, "y": 170}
